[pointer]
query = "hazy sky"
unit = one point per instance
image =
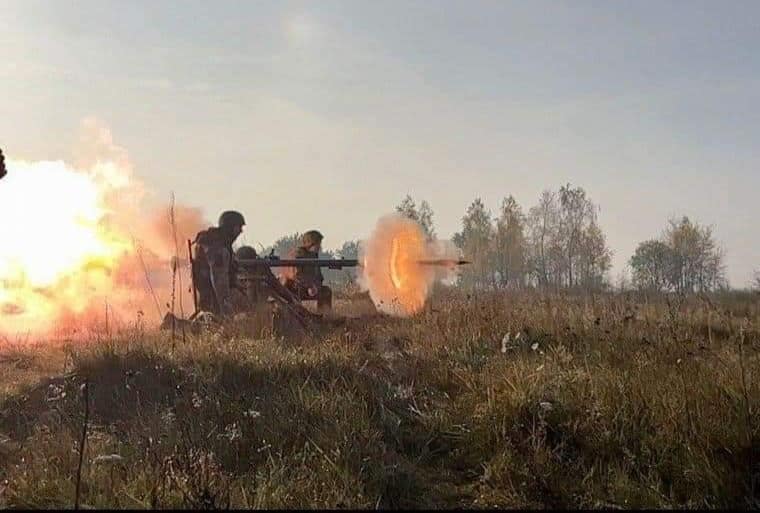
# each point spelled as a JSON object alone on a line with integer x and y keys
{"x": 325, "y": 114}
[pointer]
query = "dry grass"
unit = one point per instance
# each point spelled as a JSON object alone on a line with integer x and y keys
{"x": 605, "y": 401}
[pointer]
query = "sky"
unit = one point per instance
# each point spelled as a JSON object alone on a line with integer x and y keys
{"x": 326, "y": 114}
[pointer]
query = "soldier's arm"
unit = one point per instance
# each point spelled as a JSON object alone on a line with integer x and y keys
{"x": 319, "y": 276}
{"x": 234, "y": 273}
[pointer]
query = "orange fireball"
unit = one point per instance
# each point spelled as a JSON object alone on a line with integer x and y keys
{"x": 55, "y": 250}
{"x": 391, "y": 265}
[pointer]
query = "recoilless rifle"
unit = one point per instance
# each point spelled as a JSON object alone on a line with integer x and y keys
{"x": 333, "y": 263}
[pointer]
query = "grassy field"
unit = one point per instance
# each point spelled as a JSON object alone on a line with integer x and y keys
{"x": 515, "y": 400}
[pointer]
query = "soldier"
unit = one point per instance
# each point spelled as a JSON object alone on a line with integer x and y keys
{"x": 250, "y": 282}
{"x": 246, "y": 253}
{"x": 3, "y": 171}
{"x": 260, "y": 281}
{"x": 258, "y": 284}
{"x": 214, "y": 269}
{"x": 306, "y": 282}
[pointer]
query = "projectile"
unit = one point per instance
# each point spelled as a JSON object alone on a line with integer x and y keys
{"x": 443, "y": 262}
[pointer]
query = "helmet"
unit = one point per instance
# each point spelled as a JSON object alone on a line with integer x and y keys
{"x": 245, "y": 253}
{"x": 311, "y": 238}
{"x": 231, "y": 218}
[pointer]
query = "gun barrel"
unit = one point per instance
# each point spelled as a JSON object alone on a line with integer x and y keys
{"x": 336, "y": 263}
{"x": 332, "y": 263}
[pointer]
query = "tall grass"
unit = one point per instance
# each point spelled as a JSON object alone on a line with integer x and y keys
{"x": 590, "y": 401}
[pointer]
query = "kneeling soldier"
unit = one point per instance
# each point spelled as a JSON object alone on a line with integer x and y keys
{"x": 214, "y": 269}
{"x": 307, "y": 282}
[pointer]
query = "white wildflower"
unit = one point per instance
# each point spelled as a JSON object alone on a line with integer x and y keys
{"x": 546, "y": 405}
{"x": 55, "y": 393}
{"x": 253, "y": 414}
{"x": 403, "y": 392}
{"x": 108, "y": 458}
{"x": 505, "y": 343}
{"x": 232, "y": 432}
{"x": 196, "y": 400}
{"x": 534, "y": 346}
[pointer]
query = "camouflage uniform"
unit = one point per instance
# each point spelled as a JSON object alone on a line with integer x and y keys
{"x": 214, "y": 272}
{"x": 307, "y": 282}
{"x": 214, "y": 268}
{"x": 252, "y": 282}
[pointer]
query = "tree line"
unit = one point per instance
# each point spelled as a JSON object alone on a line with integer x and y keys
{"x": 686, "y": 258}
{"x": 558, "y": 245}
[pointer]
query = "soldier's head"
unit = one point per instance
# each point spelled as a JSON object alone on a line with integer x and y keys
{"x": 245, "y": 253}
{"x": 312, "y": 240}
{"x": 231, "y": 223}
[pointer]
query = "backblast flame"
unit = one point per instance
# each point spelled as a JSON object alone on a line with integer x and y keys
{"x": 67, "y": 247}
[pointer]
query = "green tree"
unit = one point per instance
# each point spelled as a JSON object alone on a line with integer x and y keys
{"x": 594, "y": 258}
{"x": 686, "y": 259}
{"x": 426, "y": 219}
{"x": 283, "y": 245}
{"x": 543, "y": 238}
{"x": 566, "y": 246}
{"x": 350, "y": 250}
{"x": 408, "y": 208}
{"x": 475, "y": 241}
{"x": 576, "y": 215}
{"x": 423, "y": 215}
{"x": 650, "y": 265}
{"x": 509, "y": 252}
{"x": 696, "y": 260}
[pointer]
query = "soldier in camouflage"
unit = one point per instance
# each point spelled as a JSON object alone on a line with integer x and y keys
{"x": 307, "y": 282}
{"x": 214, "y": 269}
{"x": 260, "y": 282}
{"x": 250, "y": 283}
